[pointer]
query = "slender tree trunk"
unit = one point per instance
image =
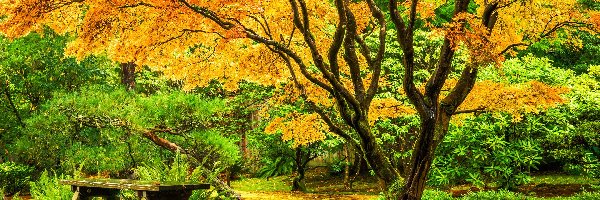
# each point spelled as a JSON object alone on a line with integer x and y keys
{"x": 14, "y": 109}
{"x": 358, "y": 167}
{"x": 299, "y": 183}
{"x": 128, "y": 75}
{"x": 244, "y": 146}
{"x": 347, "y": 185}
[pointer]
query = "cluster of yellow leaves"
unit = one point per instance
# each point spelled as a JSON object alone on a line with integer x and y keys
{"x": 302, "y": 129}
{"x": 516, "y": 100}
{"x": 425, "y": 8}
{"x": 595, "y": 20}
{"x": 388, "y": 108}
{"x": 476, "y": 38}
{"x": 521, "y": 21}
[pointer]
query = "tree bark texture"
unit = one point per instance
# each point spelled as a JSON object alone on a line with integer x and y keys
{"x": 128, "y": 75}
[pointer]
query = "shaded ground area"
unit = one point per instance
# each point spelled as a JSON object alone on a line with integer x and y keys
{"x": 322, "y": 185}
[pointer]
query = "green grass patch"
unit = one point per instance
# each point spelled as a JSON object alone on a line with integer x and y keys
{"x": 278, "y": 183}
{"x": 564, "y": 179}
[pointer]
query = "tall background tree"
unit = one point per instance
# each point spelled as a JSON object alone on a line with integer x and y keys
{"x": 319, "y": 49}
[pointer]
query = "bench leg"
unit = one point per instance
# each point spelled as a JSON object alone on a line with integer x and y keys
{"x": 165, "y": 195}
{"x": 87, "y": 193}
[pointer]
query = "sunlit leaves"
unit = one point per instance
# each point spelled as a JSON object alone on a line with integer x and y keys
{"x": 302, "y": 129}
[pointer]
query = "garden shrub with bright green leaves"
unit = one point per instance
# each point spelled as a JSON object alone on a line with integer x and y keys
{"x": 583, "y": 196}
{"x": 14, "y": 177}
{"x": 570, "y": 133}
{"x": 483, "y": 151}
{"x": 495, "y": 195}
{"x": 176, "y": 171}
{"x": 525, "y": 69}
{"x": 84, "y": 129}
{"x": 436, "y": 195}
{"x": 47, "y": 187}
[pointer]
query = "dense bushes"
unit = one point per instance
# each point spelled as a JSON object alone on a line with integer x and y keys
{"x": 14, "y": 177}
{"x": 47, "y": 187}
{"x": 503, "y": 195}
{"x": 485, "y": 150}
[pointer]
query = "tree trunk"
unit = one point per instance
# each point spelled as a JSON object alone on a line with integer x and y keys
{"x": 432, "y": 132}
{"x": 347, "y": 184}
{"x": 298, "y": 183}
{"x": 12, "y": 105}
{"x": 128, "y": 75}
{"x": 377, "y": 159}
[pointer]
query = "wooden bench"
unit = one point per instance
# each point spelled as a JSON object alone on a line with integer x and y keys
{"x": 86, "y": 189}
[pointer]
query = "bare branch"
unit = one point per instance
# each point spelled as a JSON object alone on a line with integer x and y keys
{"x": 476, "y": 110}
{"x": 137, "y": 5}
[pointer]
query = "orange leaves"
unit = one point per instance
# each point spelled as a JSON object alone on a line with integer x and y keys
{"x": 425, "y": 8}
{"x": 595, "y": 20}
{"x": 302, "y": 129}
{"x": 24, "y": 16}
{"x": 388, "y": 108}
{"x": 514, "y": 99}
{"x": 527, "y": 21}
{"x": 476, "y": 38}
{"x": 362, "y": 14}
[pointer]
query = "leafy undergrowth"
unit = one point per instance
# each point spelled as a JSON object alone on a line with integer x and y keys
{"x": 545, "y": 185}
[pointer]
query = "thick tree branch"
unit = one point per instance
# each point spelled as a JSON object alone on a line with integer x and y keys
{"x": 444, "y": 65}
{"x": 151, "y": 135}
{"x": 405, "y": 39}
{"x": 208, "y": 14}
{"x": 13, "y": 108}
{"x": 352, "y": 59}
{"x": 376, "y": 63}
{"x": 338, "y": 39}
{"x": 459, "y": 93}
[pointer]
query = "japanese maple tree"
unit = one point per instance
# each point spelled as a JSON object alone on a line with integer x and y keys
{"x": 319, "y": 48}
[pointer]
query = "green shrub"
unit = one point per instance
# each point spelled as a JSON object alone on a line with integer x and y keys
{"x": 14, "y": 177}
{"x": 485, "y": 151}
{"x": 279, "y": 166}
{"x": 436, "y": 195}
{"x": 495, "y": 195}
{"x": 49, "y": 188}
{"x": 586, "y": 196}
{"x": 177, "y": 171}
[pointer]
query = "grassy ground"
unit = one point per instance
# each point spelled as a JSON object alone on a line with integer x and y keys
{"x": 319, "y": 184}
{"x": 322, "y": 186}
{"x": 563, "y": 179}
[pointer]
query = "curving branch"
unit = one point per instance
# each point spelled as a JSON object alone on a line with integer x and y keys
{"x": 351, "y": 58}
{"x": 376, "y": 63}
{"x": 444, "y": 66}
{"x": 208, "y": 14}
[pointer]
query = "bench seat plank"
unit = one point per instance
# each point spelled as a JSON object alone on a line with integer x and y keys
{"x": 135, "y": 184}
{"x": 151, "y": 190}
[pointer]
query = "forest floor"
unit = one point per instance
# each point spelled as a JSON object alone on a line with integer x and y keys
{"x": 321, "y": 185}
